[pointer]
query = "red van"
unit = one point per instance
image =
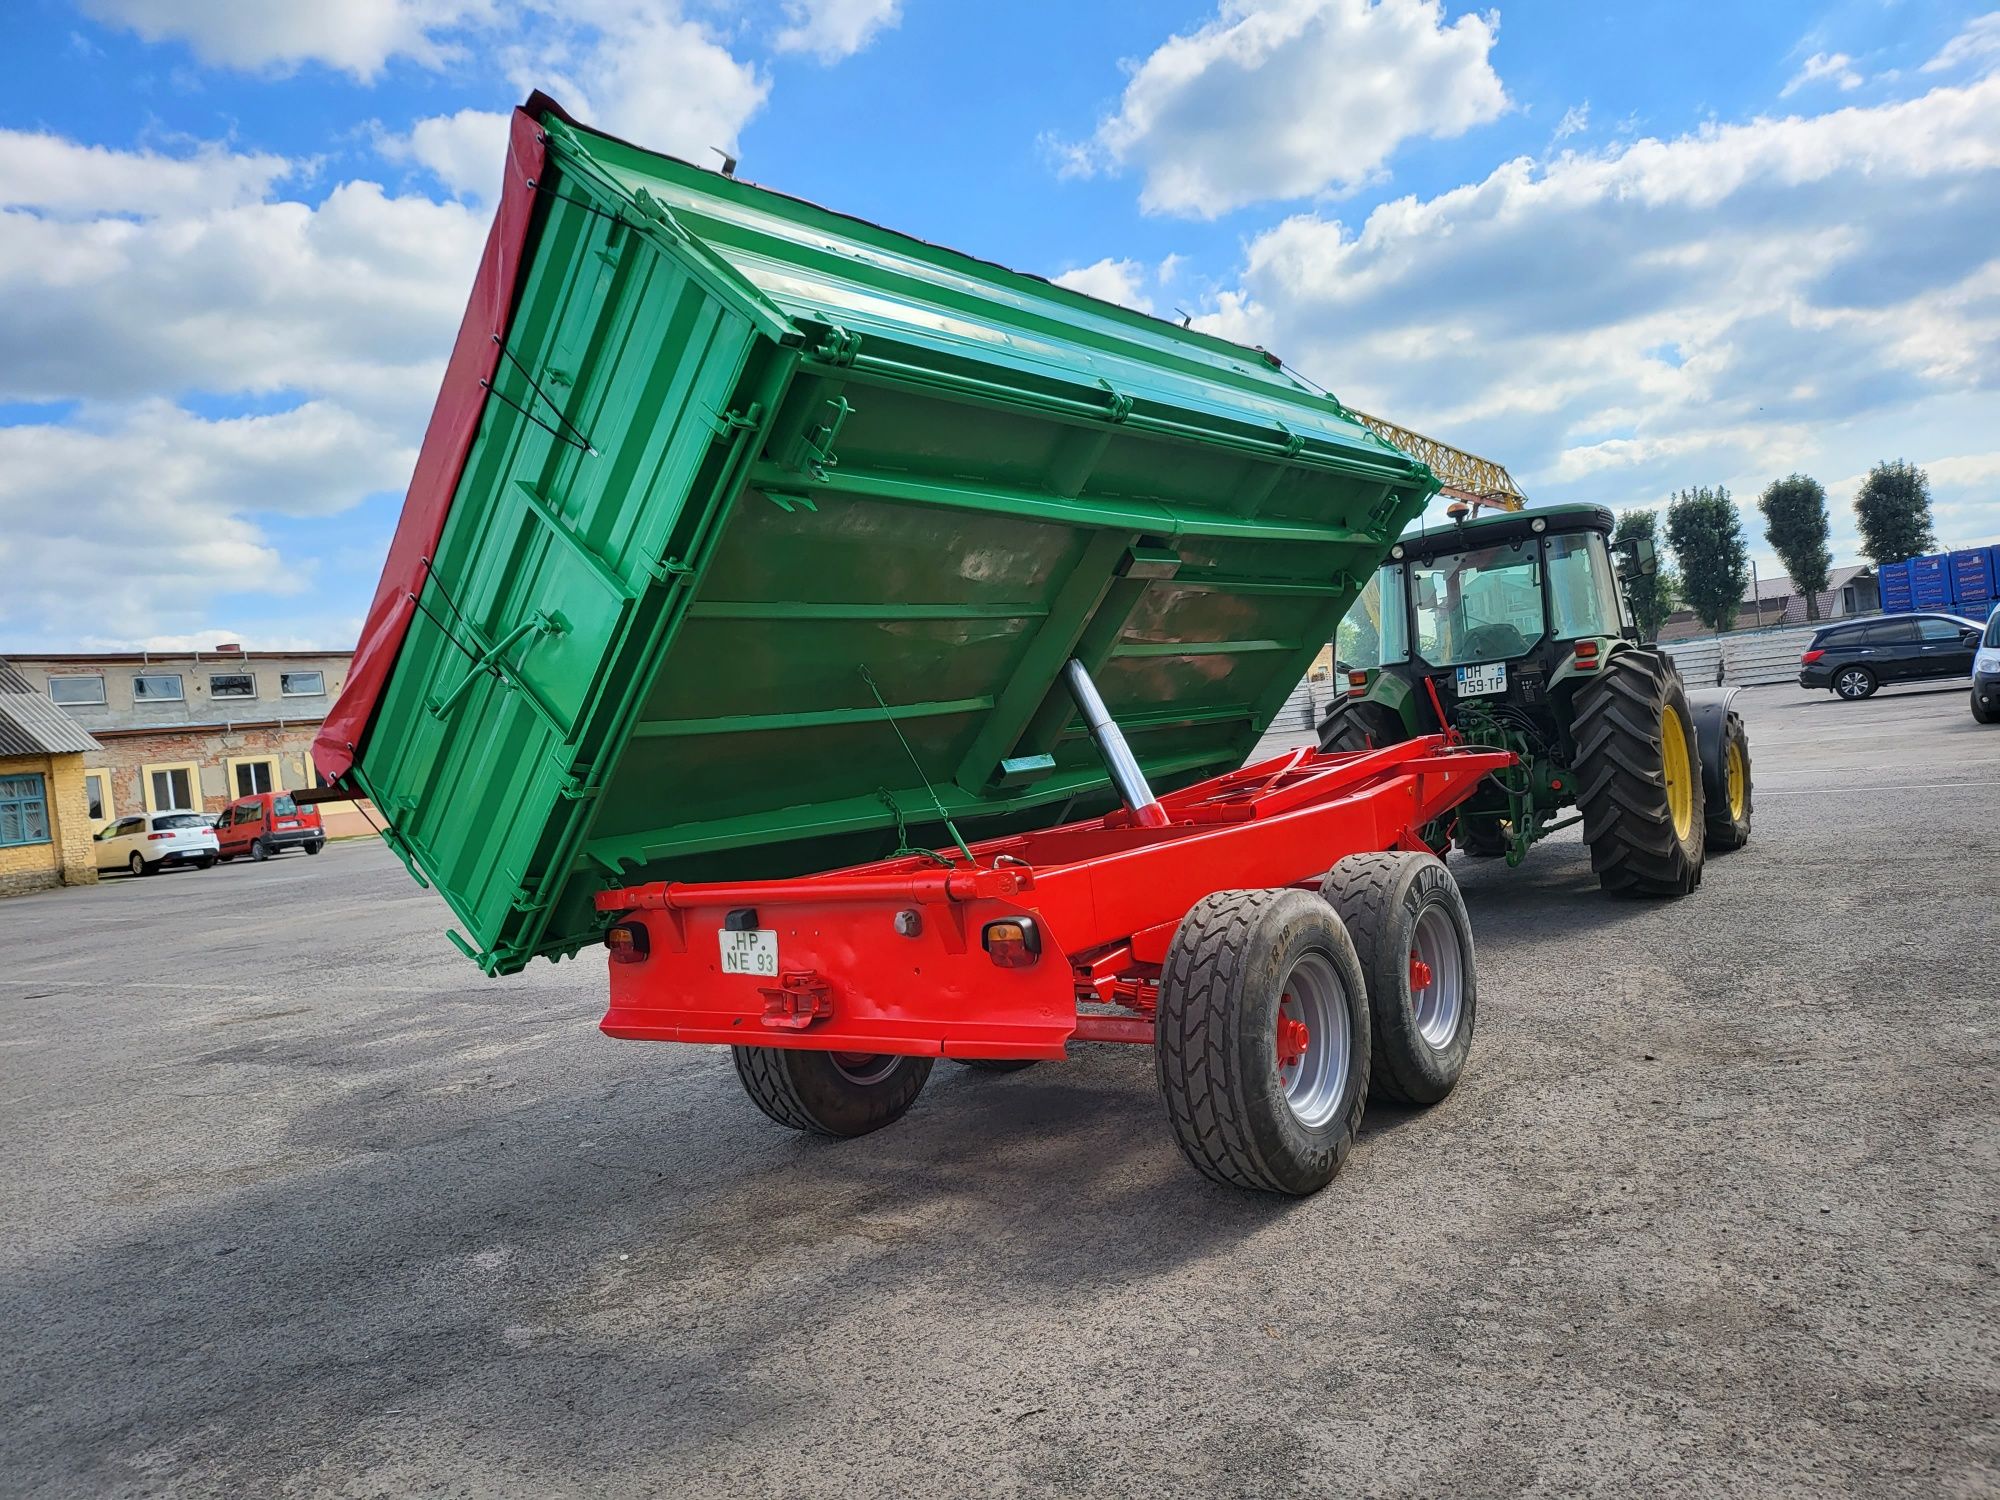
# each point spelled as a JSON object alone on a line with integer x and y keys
{"x": 262, "y": 825}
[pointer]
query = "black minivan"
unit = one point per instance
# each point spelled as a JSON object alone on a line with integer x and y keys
{"x": 1854, "y": 658}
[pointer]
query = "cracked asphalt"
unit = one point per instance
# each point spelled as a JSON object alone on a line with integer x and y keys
{"x": 298, "y": 1204}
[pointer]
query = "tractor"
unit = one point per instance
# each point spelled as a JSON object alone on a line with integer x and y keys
{"x": 1514, "y": 631}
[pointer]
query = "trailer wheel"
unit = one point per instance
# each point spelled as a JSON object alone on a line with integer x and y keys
{"x": 1414, "y": 940}
{"x": 1728, "y": 790}
{"x": 831, "y": 1093}
{"x": 995, "y": 1064}
{"x": 1262, "y": 1045}
{"x": 1639, "y": 778}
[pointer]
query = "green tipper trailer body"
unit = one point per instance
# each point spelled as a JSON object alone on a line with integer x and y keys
{"x": 750, "y": 539}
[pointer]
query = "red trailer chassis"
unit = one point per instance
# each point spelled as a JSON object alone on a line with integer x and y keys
{"x": 1039, "y": 940}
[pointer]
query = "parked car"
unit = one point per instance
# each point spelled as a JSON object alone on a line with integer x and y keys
{"x": 1986, "y": 675}
{"x": 266, "y": 823}
{"x": 147, "y": 843}
{"x": 1855, "y": 657}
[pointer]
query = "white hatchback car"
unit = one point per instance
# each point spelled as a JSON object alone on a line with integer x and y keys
{"x": 146, "y": 842}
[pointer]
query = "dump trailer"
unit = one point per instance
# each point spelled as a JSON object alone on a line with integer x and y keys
{"x": 863, "y": 642}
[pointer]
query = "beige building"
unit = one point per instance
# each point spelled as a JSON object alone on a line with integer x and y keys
{"x": 194, "y": 730}
{"x": 45, "y": 824}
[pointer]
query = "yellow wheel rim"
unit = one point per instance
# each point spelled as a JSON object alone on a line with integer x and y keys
{"x": 1739, "y": 781}
{"x": 1680, "y": 780}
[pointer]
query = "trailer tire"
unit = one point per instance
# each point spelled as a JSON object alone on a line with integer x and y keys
{"x": 820, "y": 1093}
{"x": 1402, "y": 909}
{"x": 995, "y": 1064}
{"x": 1728, "y": 790}
{"x": 1639, "y": 778}
{"x": 1242, "y": 962}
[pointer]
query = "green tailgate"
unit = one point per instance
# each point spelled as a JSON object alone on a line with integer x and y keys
{"x": 802, "y": 462}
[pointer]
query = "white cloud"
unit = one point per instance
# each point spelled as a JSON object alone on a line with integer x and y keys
{"x": 167, "y": 497}
{"x": 1724, "y": 306}
{"x": 1836, "y": 68}
{"x": 1575, "y": 120}
{"x": 467, "y": 152}
{"x": 354, "y": 36}
{"x": 1977, "y": 45}
{"x": 56, "y": 176}
{"x": 643, "y": 72}
{"x": 1117, "y": 281}
{"x": 1276, "y": 99}
{"x": 834, "y": 29}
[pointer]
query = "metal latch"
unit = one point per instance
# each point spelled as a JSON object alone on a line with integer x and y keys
{"x": 796, "y": 1001}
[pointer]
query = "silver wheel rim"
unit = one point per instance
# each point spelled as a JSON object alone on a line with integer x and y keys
{"x": 1314, "y": 1077}
{"x": 137, "y": 866}
{"x": 1851, "y": 684}
{"x": 864, "y": 1068}
{"x": 1435, "y": 954}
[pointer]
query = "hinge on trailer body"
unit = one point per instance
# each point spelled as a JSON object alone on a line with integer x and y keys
{"x": 576, "y": 785}
{"x": 1118, "y": 405}
{"x": 667, "y": 569}
{"x": 1294, "y": 443}
{"x": 797, "y": 1001}
{"x": 733, "y": 421}
{"x": 838, "y": 347}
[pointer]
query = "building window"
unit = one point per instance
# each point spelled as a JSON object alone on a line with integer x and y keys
{"x": 24, "y": 810}
{"x": 97, "y": 794}
{"x": 302, "y": 684}
{"x": 157, "y": 689}
{"x": 77, "y": 692}
{"x": 252, "y": 777}
{"x": 173, "y": 790}
{"x": 232, "y": 685}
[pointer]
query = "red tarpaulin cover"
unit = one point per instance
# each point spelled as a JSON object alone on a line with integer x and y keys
{"x": 454, "y": 423}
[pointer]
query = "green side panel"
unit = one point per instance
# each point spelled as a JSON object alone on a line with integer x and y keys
{"x": 825, "y": 512}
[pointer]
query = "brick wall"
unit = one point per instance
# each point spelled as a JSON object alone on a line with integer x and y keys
{"x": 67, "y": 858}
{"x": 125, "y": 756}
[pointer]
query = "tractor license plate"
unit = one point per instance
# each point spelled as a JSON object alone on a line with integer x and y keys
{"x": 750, "y": 952}
{"x": 1488, "y": 677}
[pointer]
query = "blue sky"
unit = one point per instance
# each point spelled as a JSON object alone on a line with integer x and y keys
{"x": 1622, "y": 249}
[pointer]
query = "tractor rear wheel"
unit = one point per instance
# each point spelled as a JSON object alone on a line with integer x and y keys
{"x": 1262, "y": 1044}
{"x": 830, "y": 1093}
{"x": 1482, "y": 838}
{"x": 1727, "y": 790}
{"x": 1639, "y": 778}
{"x": 1414, "y": 940}
{"x": 1356, "y": 726}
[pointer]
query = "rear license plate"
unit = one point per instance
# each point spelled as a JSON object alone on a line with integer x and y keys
{"x": 288, "y": 824}
{"x": 1488, "y": 677}
{"x": 750, "y": 952}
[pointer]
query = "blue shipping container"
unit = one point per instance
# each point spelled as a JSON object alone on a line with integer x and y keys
{"x": 1972, "y": 576}
{"x": 1893, "y": 579}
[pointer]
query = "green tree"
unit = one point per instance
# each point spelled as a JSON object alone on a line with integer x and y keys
{"x": 1795, "y": 524}
{"x": 1651, "y": 595}
{"x": 1706, "y": 533}
{"x": 1894, "y": 509}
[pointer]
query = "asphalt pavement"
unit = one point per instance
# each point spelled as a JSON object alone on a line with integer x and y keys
{"x": 296, "y": 1203}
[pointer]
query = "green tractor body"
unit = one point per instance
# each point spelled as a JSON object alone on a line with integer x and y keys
{"x": 1514, "y": 631}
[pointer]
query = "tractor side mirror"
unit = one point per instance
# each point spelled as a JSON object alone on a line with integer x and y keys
{"x": 1638, "y": 556}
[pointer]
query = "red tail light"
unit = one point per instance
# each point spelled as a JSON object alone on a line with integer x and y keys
{"x": 1586, "y": 656}
{"x": 1810, "y": 657}
{"x": 151, "y": 836}
{"x": 1357, "y": 684}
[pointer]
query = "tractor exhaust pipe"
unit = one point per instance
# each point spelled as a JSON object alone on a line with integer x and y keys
{"x": 1110, "y": 740}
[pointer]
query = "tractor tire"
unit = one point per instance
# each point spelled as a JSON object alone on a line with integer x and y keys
{"x": 1355, "y": 726}
{"x": 995, "y": 1064}
{"x": 1639, "y": 778}
{"x": 1409, "y": 924}
{"x": 1249, "y": 972}
{"x": 1728, "y": 791}
{"x": 828, "y": 1093}
{"x": 1479, "y": 837}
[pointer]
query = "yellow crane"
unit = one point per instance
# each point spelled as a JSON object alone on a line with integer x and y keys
{"x": 1467, "y": 477}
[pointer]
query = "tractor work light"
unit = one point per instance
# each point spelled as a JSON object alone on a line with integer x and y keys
{"x": 1012, "y": 942}
{"x": 628, "y": 943}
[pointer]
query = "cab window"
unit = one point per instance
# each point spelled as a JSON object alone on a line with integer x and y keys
{"x": 1583, "y": 593}
{"x": 1376, "y": 631}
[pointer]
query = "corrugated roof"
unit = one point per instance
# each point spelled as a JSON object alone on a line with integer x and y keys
{"x": 32, "y": 725}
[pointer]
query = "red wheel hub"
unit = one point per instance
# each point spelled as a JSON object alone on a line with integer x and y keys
{"x": 1420, "y": 973}
{"x": 1292, "y": 1039}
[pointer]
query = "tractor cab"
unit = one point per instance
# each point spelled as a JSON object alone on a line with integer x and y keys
{"x": 1504, "y": 610}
